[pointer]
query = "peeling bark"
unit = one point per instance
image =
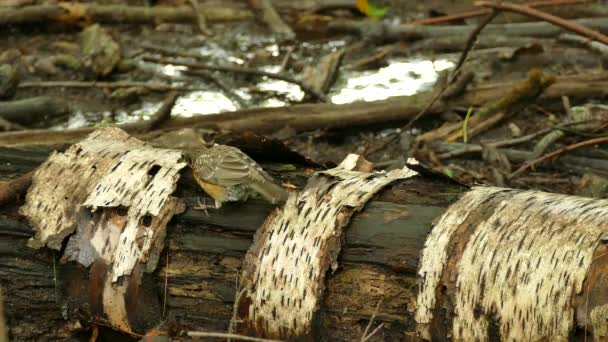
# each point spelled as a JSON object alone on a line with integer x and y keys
{"x": 379, "y": 260}
{"x": 285, "y": 269}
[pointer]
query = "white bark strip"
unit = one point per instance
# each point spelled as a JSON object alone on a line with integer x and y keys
{"x": 526, "y": 259}
{"x": 285, "y": 268}
{"x": 63, "y": 182}
{"x": 106, "y": 170}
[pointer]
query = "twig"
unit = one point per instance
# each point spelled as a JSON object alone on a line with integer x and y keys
{"x": 444, "y": 88}
{"x": 224, "y": 335}
{"x": 555, "y": 20}
{"x": 465, "y": 124}
{"x": 208, "y": 75}
{"x": 286, "y": 59}
{"x": 557, "y": 152}
{"x": 270, "y": 16}
{"x": 594, "y": 46}
{"x": 471, "y": 41}
{"x": 470, "y": 148}
{"x": 479, "y": 126}
{"x": 371, "y": 321}
{"x": 374, "y": 332}
{"x": 166, "y": 284}
{"x": 169, "y": 52}
{"x": 233, "y": 320}
{"x": 201, "y": 21}
{"x": 241, "y": 70}
{"x": 162, "y": 114}
{"x": 107, "y": 85}
{"x": 479, "y": 13}
{"x": 468, "y": 46}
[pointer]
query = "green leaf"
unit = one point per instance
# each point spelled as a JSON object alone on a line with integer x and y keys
{"x": 370, "y": 10}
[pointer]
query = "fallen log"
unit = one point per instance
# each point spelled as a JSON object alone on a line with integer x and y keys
{"x": 195, "y": 281}
{"x": 314, "y": 116}
{"x": 33, "y": 110}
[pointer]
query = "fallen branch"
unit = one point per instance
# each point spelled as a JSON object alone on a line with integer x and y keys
{"x": 33, "y": 110}
{"x": 220, "y": 84}
{"x": 77, "y": 13}
{"x": 471, "y": 148}
{"x": 594, "y": 46}
{"x": 201, "y": 20}
{"x": 392, "y": 32}
{"x": 270, "y": 16}
{"x": 551, "y": 155}
{"x": 481, "y": 12}
{"x": 228, "y": 336}
{"x": 303, "y": 117}
{"x": 566, "y": 24}
{"x": 105, "y": 85}
{"x": 162, "y": 114}
{"x": 240, "y": 70}
{"x": 579, "y": 164}
{"x": 518, "y": 96}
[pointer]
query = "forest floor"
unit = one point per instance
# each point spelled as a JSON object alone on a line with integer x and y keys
{"x": 370, "y": 67}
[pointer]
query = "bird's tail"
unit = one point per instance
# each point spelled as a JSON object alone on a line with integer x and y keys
{"x": 272, "y": 192}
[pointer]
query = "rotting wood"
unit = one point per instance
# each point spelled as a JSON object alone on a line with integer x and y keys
{"x": 524, "y": 256}
{"x": 313, "y": 116}
{"x": 377, "y": 261}
{"x": 115, "y": 193}
{"x": 285, "y": 269}
{"x": 206, "y": 253}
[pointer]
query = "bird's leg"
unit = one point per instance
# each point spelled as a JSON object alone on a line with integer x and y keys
{"x": 203, "y": 206}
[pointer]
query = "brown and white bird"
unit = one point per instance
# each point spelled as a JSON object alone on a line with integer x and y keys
{"x": 227, "y": 175}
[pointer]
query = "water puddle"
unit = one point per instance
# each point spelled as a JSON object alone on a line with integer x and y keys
{"x": 401, "y": 76}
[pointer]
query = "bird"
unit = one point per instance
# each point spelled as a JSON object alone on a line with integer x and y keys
{"x": 227, "y": 174}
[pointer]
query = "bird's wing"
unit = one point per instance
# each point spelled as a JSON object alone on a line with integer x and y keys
{"x": 229, "y": 166}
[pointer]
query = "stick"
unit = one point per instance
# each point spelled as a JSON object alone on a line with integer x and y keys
{"x": 162, "y": 114}
{"x": 208, "y": 75}
{"x": 224, "y": 335}
{"x": 566, "y": 24}
{"x": 439, "y": 94}
{"x": 371, "y": 321}
{"x": 240, "y": 70}
{"x": 479, "y": 13}
{"x": 105, "y": 85}
{"x": 469, "y": 148}
{"x": 594, "y": 46}
{"x": 550, "y": 155}
{"x": 270, "y": 16}
{"x": 200, "y": 19}
{"x": 118, "y": 14}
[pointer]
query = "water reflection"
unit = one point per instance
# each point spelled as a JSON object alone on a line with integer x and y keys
{"x": 398, "y": 78}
